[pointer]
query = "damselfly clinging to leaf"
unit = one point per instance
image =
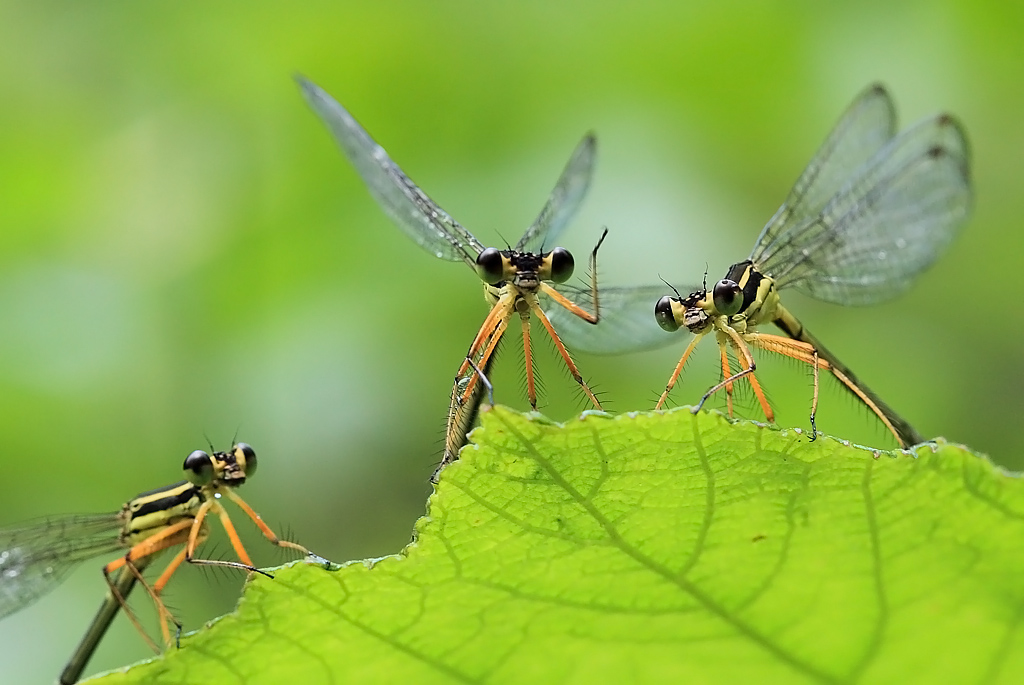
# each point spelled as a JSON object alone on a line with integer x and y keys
{"x": 872, "y": 210}
{"x": 35, "y": 557}
{"x": 514, "y": 279}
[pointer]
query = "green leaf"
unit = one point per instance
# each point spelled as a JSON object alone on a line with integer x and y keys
{"x": 656, "y": 548}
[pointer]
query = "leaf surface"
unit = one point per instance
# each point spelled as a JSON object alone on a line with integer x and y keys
{"x": 653, "y": 548}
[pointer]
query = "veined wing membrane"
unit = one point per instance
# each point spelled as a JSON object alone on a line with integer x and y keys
{"x": 36, "y": 557}
{"x": 627, "y": 320}
{"x": 408, "y": 206}
{"x": 864, "y": 129}
{"x": 897, "y": 214}
{"x": 565, "y": 199}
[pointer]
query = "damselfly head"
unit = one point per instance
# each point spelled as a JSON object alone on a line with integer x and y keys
{"x": 524, "y": 269}
{"x": 690, "y": 312}
{"x": 230, "y": 468}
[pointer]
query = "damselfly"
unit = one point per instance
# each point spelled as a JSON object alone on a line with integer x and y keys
{"x": 35, "y": 557}
{"x": 514, "y": 279}
{"x": 872, "y": 210}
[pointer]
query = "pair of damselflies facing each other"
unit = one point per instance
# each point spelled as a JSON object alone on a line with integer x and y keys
{"x": 35, "y": 557}
{"x": 871, "y": 211}
{"x": 517, "y": 281}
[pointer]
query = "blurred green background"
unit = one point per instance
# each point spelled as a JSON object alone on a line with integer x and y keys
{"x": 184, "y": 253}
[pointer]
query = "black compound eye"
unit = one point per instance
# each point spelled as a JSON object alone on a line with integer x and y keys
{"x": 562, "y": 265}
{"x": 490, "y": 266}
{"x": 198, "y": 468}
{"x": 663, "y": 314}
{"x": 728, "y": 297}
{"x": 250, "y": 457}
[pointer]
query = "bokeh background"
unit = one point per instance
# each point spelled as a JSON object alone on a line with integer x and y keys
{"x": 185, "y": 256}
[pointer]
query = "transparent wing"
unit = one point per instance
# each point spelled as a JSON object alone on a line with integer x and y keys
{"x": 627, "y": 320}
{"x": 895, "y": 215}
{"x": 408, "y": 206}
{"x": 866, "y": 126}
{"x": 565, "y": 199}
{"x": 36, "y": 557}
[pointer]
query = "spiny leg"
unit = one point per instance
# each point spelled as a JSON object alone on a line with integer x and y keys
{"x": 572, "y": 306}
{"x": 482, "y": 375}
{"x": 112, "y": 588}
{"x": 499, "y": 311}
{"x": 807, "y": 353}
{"x": 746, "y": 361}
{"x": 461, "y": 416}
{"x": 158, "y": 588}
{"x": 531, "y": 389}
{"x": 575, "y": 372}
{"x": 769, "y": 414}
{"x": 194, "y": 539}
{"x": 484, "y": 356}
{"x": 258, "y": 520}
{"x": 679, "y": 369}
{"x": 814, "y": 400}
{"x": 726, "y": 373}
{"x": 170, "y": 536}
{"x": 593, "y": 278}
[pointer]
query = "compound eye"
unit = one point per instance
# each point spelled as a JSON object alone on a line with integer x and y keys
{"x": 198, "y": 468}
{"x": 490, "y": 266}
{"x": 249, "y": 455}
{"x": 562, "y": 265}
{"x": 663, "y": 315}
{"x": 728, "y": 297}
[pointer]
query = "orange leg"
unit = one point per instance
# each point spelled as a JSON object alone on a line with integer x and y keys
{"x": 264, "y": 528}
{"x": 726, "y": 373}
{"x": 795, "y": 349}
{"x": 814, "y": 400}
{"x": 769, "y": 415}
{"x": 467, "y": 393}
{"x": 161, "y": 582}
{"x": 197, "y": 527}
{"x": 112, "y": 588}
{"x": 572, "y": 306}
{"x": 158, "y": 588}
{"x": 461, "y": 416}
{"x": 679, "y": 369}
{"x": 748, "y": 365}
{"x": 531, "y": 389}
{"x": 168, "y": 537}
{"x": 194, "y": 539}
{"x": 499, "y": 312}
{"x": 799, "y": 350}
{"x": 576, "y": 376}
{"x": 805, "y": 352}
